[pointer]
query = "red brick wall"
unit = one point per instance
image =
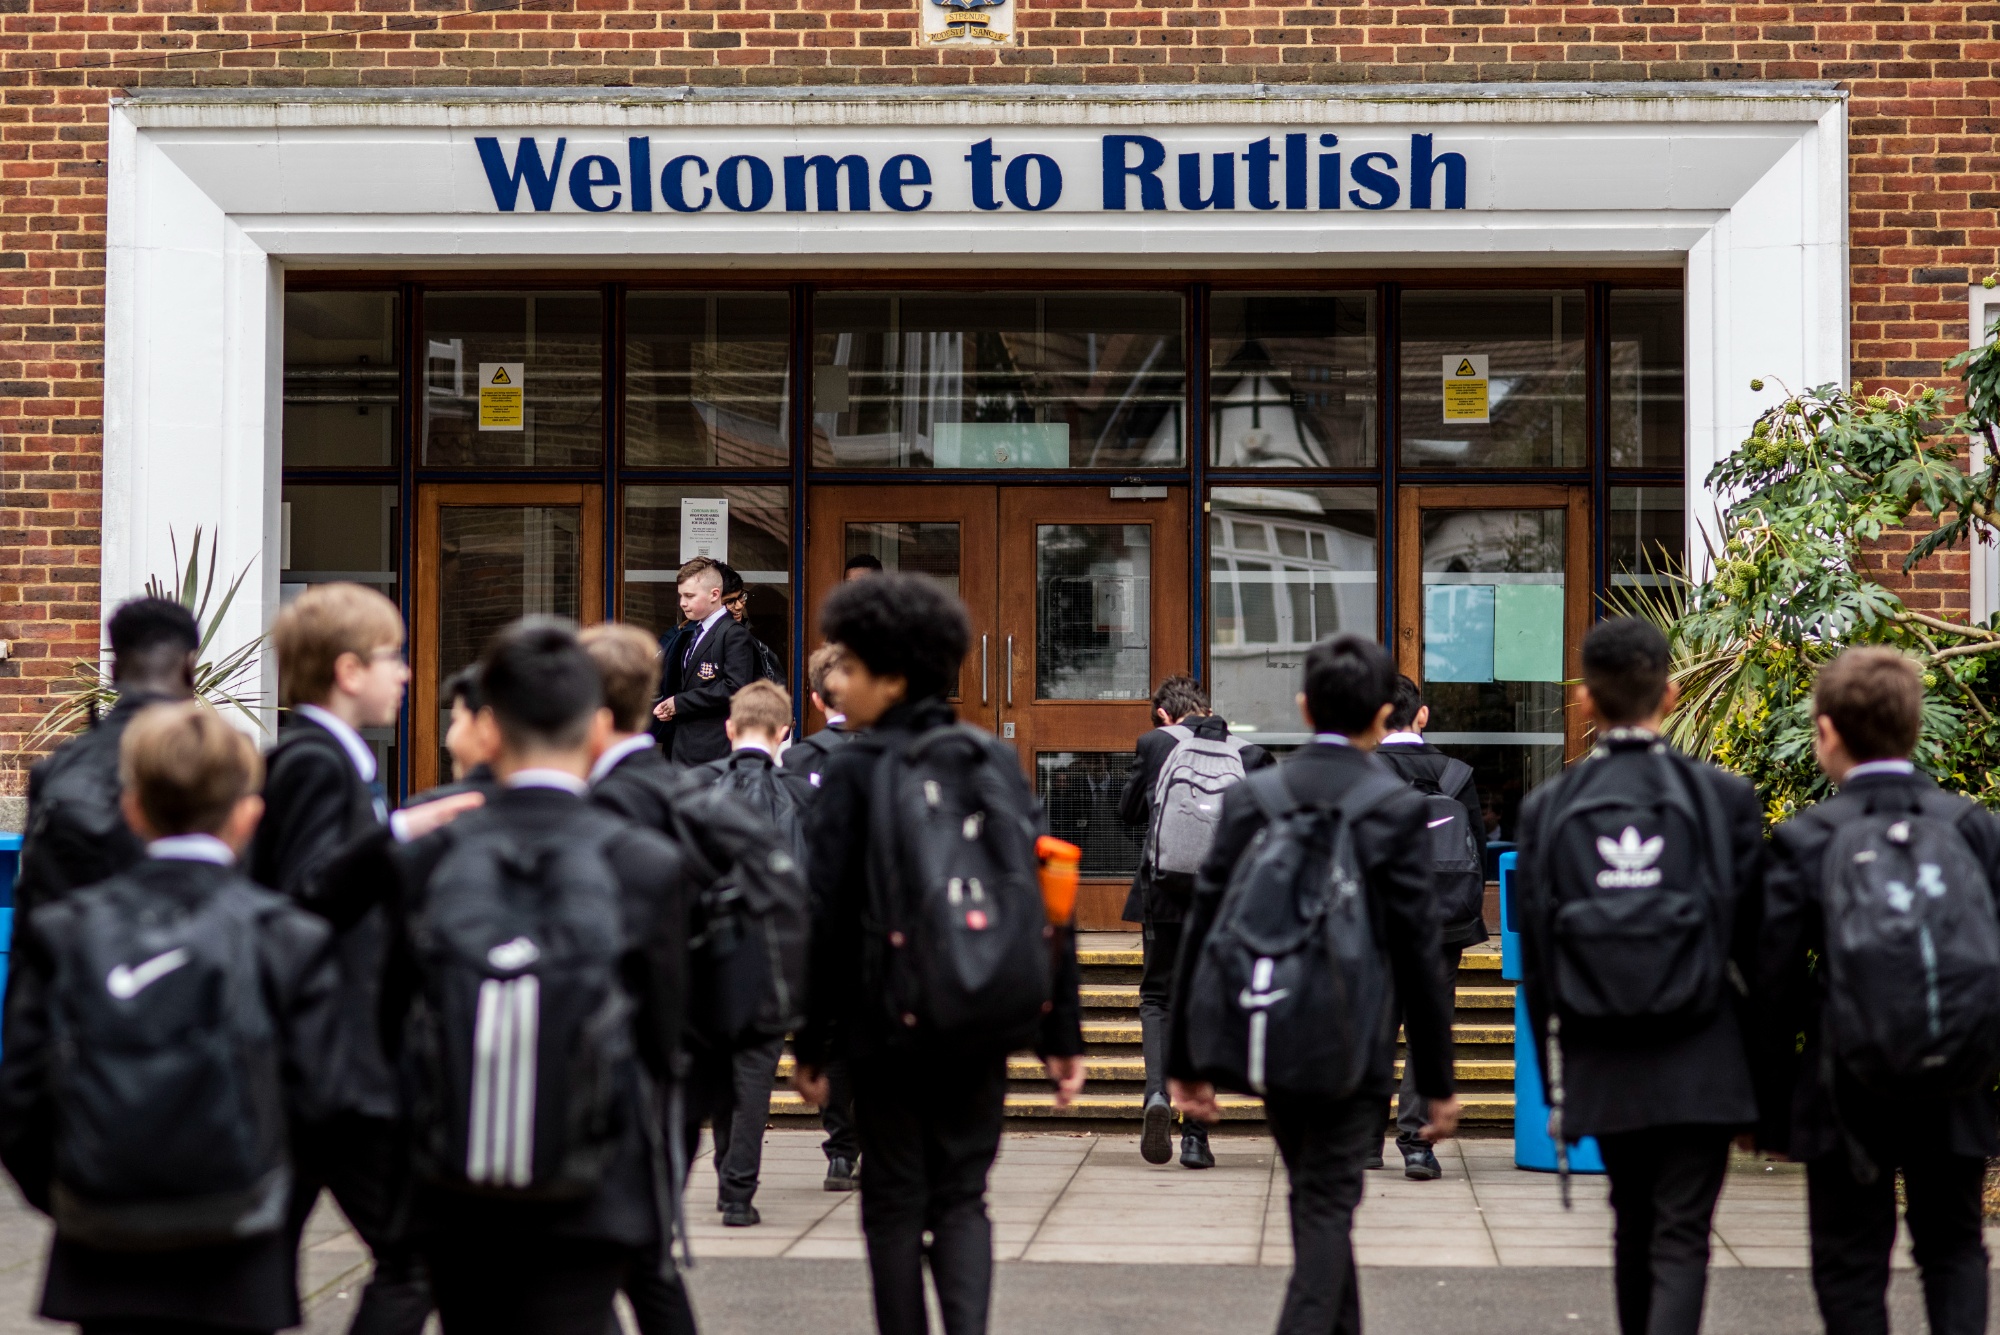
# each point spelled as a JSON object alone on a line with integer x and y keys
{"x": 1925, "y": 173}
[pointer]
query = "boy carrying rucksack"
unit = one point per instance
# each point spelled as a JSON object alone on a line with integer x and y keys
{"x": 168, "y": 1031}
{"x": 1311, "y": 910}
{"x": 1880, "y": 946}
{"x": 1173, "y": 792}
{"x": 1458, "y": 878}
{"x": 932, "y": 958}
{"x": 1638, "y": 892}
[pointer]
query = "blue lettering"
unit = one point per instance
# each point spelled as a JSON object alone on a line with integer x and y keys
{"x": 982, "y": 157}
{"x": 1048, "y": 182}
{"x": 1329, "y": 173}
{"x": 899, "y": 174}
{"x": 1295, "y": 171}
{"x": 826, "y": 173}
{"x": 1423, "y": 166}
{"x": 1260, "y": 157}
{"x": 1366, "y": 175}
{"x": 527, "y": 170}
{"x": 729, "y": 183}
{"x": 673, "y": 184}
{"x": 1221, "y": 195}
{"x": 1152, "y": 156}
{"x": 639, "y": 156}
{"x": 590, "y": 175}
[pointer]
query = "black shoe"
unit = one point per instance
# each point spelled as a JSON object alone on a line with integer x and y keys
{"x": 841, "y": 1175}
{"x": 1420, "y": 1165}
{"x": 1156, "y": 1141}
{"x": 1195, "y": 1152}
{"x": 740, "y": 1214}
{"x": 1374, "y": 1159}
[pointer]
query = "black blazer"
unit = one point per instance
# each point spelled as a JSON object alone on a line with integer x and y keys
{"x": 804, "y": 767}
{"x": 1395, "y": 866}
{"x": 1144, "y": 902}
{"x": 724, "y": 661}
{"x": 53, "y": 865}
{"x": 1797, "y": 1111}
{"x": 1424, "y": 761}
{"x": 1615, "y": 1084}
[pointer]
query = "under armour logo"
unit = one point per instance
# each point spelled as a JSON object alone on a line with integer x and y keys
{"x": 1629, "y": 860}
{"x": 125, "y": 983}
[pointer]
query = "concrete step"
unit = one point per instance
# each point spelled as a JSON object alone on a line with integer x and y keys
{"x": 1125, "y": 997}
{"x": 1103, "y": 1033}
{"x": 1481, "y": 1107}
{"x": 1101, "y": 1069}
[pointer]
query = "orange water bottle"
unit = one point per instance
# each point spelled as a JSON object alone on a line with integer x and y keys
{"x": 1060, "y": 861}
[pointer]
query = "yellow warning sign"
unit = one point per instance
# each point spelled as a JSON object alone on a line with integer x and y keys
{"x": 1466, "y": 400}
{"x": 502, "y": 396}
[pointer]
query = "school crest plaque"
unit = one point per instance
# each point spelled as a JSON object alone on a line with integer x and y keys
{"x": 967, "y": 22}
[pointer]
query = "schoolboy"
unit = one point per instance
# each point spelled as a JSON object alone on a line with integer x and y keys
{"x": 1664, "y": 1095}
{"x": 706, "y": 661}
{"x": 1463, "y": 920}
{"x": 736, "y": 598}
{"x": 1867, "y": 713}
{"x": 1158, "y": 903}
{"x": 190, "y": 792}
{"x": 929, "y": 1115}
{"x": 340, "y": 669}
{"x": 1349, "y": 685}
{"x": 471, "y": 760}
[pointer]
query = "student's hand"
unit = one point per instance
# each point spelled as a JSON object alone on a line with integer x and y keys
{"x": 812, "y": 1085}
{"x": 1194, "y": 1098}
{"x": 1443, "y": 1119}
{"x": 664, "y": 710}
{"x": 417, "y": 821}
{"x": 1066, "y": 1074}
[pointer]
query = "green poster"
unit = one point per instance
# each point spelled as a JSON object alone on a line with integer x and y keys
{"x": 1528, "y": 632}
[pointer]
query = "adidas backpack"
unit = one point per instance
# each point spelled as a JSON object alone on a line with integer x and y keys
{"x": 1912, "y": 960}
{"x": 1291, "y": 993}
{"x": 170, "y": 1115}
{"x": 956, "y": 935}
{"x": 1187, "y": 799}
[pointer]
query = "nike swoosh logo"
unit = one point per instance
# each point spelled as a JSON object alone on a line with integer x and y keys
{"x": 1441, "y": 820}
{"x": 125, "y": 983}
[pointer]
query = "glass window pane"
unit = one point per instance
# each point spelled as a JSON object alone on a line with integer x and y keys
{"x": 759, "y": 534}
{"x": 707, "y": 379}
{"x": 1079, "y": 790}
{"x": 1647, "y": 540}
{"x": 1093, "y": 611}
{"x": 1493, "y": 663}
{"x": 353, "y": 534}
{"x": 1525, "y": 411}
{"x": 998, "y": 380}
{"x": 1647, "y": 365}
{"x": 342, "y": 380}
{"x": 1293, "y": 566}
{"x": 1293, "y": 380}
{"x": 916, "y": 548}
{"x": 513, "y": 379}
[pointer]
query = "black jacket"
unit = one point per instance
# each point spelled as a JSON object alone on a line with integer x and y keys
{"x": 1395, "y": 866}
{"x": 844, "y": 1013}
{"x": 1423, "y": 762}
{"x": 315, "y": 803}
{"x": 804, "y": 765}
{"x": 92, "y": 845}
{"x": 1619, "y": 1083}
{"x": 249, "y": 1284}
{"x": 1147, "y": 902}
{"x": 1797, "y": 1109}
{"x": 724, "y": 660}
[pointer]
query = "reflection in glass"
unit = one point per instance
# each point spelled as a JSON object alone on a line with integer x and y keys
{"x": 706, "y": 379}
{"x": 1293, "y": 380}
{"x": 342, "y": 379}
{"x": 914, "y": 548}
{"x": 1079, "y": 790}
{"x": 1646, "y": 533}
{"x": 1093, "y": 611}
{"x": 351, "y": 534}
{"x": 1287, "y": 566}
{"x": 1647, "y": 366}
{"x": 997, "y": 380}
{"x": 1493, "y": 640}
{"x": 760, "y": 550}
{"x": 1531, "y": 412}
{"x": 556, "y": 339}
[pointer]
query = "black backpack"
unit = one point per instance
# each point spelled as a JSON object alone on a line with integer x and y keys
{"x": 518, "y": 1056}
{"x": 956, "y": 940}
{"x": 1291, "y": 993}
{"x": 170, "y": 1116}
{"x": 76, "y": 833}
{"x": 1633, "y": 865}
{"x": 1912, "y": 962}
{"x": 768, "y": 666}
{"x": 1458, "y": 864}
{"x": 752, "y": 778}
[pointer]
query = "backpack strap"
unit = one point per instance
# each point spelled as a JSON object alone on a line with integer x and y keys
{"x": 1453, "y": 780}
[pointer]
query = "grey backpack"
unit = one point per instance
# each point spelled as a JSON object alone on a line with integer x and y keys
{"x": 1187, "y": 799}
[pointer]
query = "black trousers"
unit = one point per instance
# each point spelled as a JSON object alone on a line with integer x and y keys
{"x": 837, "y": 1118}
{"x": 1664, "y": 1182}
{"x": 494, "y": 1285}
{"x": 930, "y": 1128}
{"x": 364, "y": 1162}
{"x": 1854, "y": 1226}
{"x": 1160, "y": 947}
{"x": 742, "y": 1109}
{"x": 1324, "y": 1145}
{"x": 142, "y": 1326}
{"x": 1412, "y": 1108}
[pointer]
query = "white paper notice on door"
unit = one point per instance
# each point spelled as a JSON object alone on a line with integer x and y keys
{"x": 1465, "y": 388}
{"x": 705, "y": 528}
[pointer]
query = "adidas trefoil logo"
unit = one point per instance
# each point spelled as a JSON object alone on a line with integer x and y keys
{"x": 1628, "y": 861}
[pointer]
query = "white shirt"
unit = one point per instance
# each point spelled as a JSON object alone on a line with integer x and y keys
{"x": 1333, "y": 739}
{"x": 706, "y": 622}
{"x": 1868, "y": 767}
{"x": 752, "y": 744}
{"x": 1402, "y": 739}
{"x": 607, "y": 762}
{"x": 547, "y": 778}
{"x": 192, "y": 848}
{"x": 350, "y": 741}
{"x": 836, "y": 720}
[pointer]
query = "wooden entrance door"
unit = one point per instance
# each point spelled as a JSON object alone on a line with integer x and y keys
{"x": 1079, "y": 605}
{"x": 487, "y": 554}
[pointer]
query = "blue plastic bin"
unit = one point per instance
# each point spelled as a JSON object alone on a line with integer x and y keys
{"x": 1534, "y": 1148}
{"x": 10, "y": 863}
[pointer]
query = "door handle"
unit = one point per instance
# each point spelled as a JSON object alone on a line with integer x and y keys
{"x": 1010, "y": 671}
{"x": 983, "y": 695}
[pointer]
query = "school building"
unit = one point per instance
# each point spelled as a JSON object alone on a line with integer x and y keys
{"x": 1175, "y": 335}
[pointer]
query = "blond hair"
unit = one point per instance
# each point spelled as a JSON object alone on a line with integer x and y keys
{"x": 819, "y": 667}
{"x": 629, "y": 661}
{"x": 320, "y": 625}
{"x": 187, "y": 767}
{"x": 762, "y": 706}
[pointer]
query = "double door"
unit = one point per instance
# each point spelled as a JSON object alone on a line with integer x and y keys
{"x": 1078, "y": 603}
